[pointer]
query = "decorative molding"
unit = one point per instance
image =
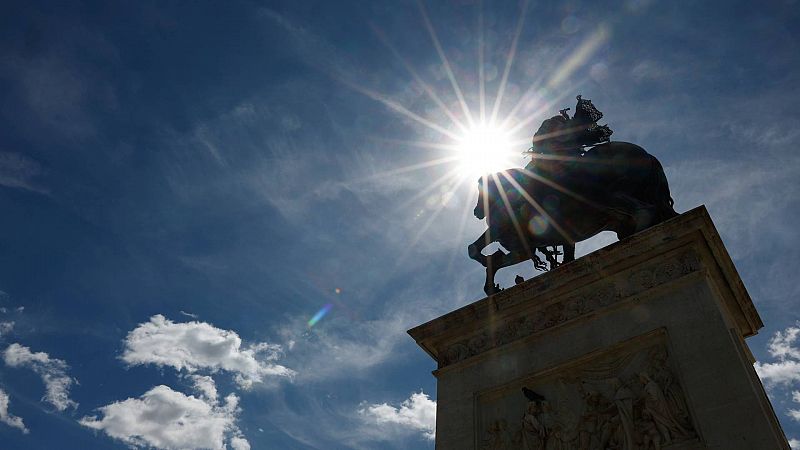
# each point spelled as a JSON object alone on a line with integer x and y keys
{"x": 589, "y": 300}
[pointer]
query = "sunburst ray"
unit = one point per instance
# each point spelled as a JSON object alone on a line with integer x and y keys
{"x": 445, "y": 62}
{"x": 512, "y": 52}
{"x": 513, "y": 214}
{"x": 448, "y": 176}
{"x": 425, "y": 86}
{"x": 398, "y": 108}
{"x": 580, "y": 55}
{"x": 461, "y": 226}
{"x": 481, "y": 74}
{"x": 540, "y": 209}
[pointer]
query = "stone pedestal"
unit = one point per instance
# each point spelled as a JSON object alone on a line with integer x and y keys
{"x": 639, "y": 345}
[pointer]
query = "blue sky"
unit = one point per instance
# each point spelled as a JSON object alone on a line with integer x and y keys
{"x": 184, "y": 185}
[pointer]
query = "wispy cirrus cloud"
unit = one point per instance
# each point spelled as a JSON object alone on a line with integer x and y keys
{"x": 21, "y": 172}
{"x": 53, "y": 372}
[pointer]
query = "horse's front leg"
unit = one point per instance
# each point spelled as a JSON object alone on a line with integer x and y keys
{"x": 497, "y": 261}
{"x": 474, "y": 250}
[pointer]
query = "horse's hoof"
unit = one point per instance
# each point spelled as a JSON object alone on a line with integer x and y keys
{"x": 492, "y": 290}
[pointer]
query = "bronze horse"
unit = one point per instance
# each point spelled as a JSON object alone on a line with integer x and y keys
{"x": 566, "y": 196}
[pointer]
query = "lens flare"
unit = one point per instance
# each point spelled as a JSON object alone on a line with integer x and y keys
{"x": 537, "y": 225}
{"x": 320, "y": 314}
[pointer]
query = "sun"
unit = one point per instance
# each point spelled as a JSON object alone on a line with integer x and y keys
{"x": 484, "y": 149}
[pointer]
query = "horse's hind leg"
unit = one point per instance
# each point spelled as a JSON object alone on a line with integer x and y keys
{"x": 497, "y": 261}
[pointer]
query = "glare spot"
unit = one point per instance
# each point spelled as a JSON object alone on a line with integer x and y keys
{"x": 485, "y": 149}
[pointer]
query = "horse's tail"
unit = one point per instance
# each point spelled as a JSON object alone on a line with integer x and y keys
{"x": 659, "y": 194}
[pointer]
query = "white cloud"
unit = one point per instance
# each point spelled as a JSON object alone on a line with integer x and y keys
{"x": 795, "y": 413}
{"x": 193, "y": 316}
{"x": 205, "y": 386}
{"x": 192, "y": 346}
{"x": 794, "y": 444}
{"x": 784, "y": 372}
{"x": 53, "y": 372}
{"x": 417, "y": 413}
{"x": 239, "y": 443}
{"x": 782, "y": 344}
{"x": 170, "y": 420}
{"x": 786, "y": 369}
{"x": 9, "y": 419}
{"x": 6, "y": 327}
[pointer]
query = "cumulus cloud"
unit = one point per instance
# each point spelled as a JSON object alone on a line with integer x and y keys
{"x": 781, "y": 372}
{"x": 794, "y": 444}
{"x": 167, "y": 419}
{"x": 205, "y": 386}
{"x": 795, "y": 413}
{"x": 786, "y": 369}
{"x": 782, "y": 344}
{"x": 193, "y": 346}
{"x": 417, "y": 413}
{"x": 53, "y": 372}
{"x": 239, "y": 443}
{"x": 9, "y": 419}
{"x": 784, "y": 373}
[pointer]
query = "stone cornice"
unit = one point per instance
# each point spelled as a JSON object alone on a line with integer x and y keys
{"x": 588, "y": 286}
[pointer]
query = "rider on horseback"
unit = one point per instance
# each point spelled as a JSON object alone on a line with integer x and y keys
{"x": 561, "y": 138}
{"x": 558, "y": 145}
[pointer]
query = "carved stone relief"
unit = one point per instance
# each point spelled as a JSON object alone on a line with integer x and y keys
{"x": 591, "y": 299}
{"x": 628, "y": 401}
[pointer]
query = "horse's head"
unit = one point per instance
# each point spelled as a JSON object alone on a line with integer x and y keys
{"x": 478, "y": 211}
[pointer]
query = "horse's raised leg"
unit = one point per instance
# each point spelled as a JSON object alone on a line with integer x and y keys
{"x": 474, "y": 249}
{"x": 497, "y": 261}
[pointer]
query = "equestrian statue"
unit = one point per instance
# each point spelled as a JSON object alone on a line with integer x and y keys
{"x": 577, "y": 184}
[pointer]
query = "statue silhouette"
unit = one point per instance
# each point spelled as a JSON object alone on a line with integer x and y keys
{"x": 578, "y": 184}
